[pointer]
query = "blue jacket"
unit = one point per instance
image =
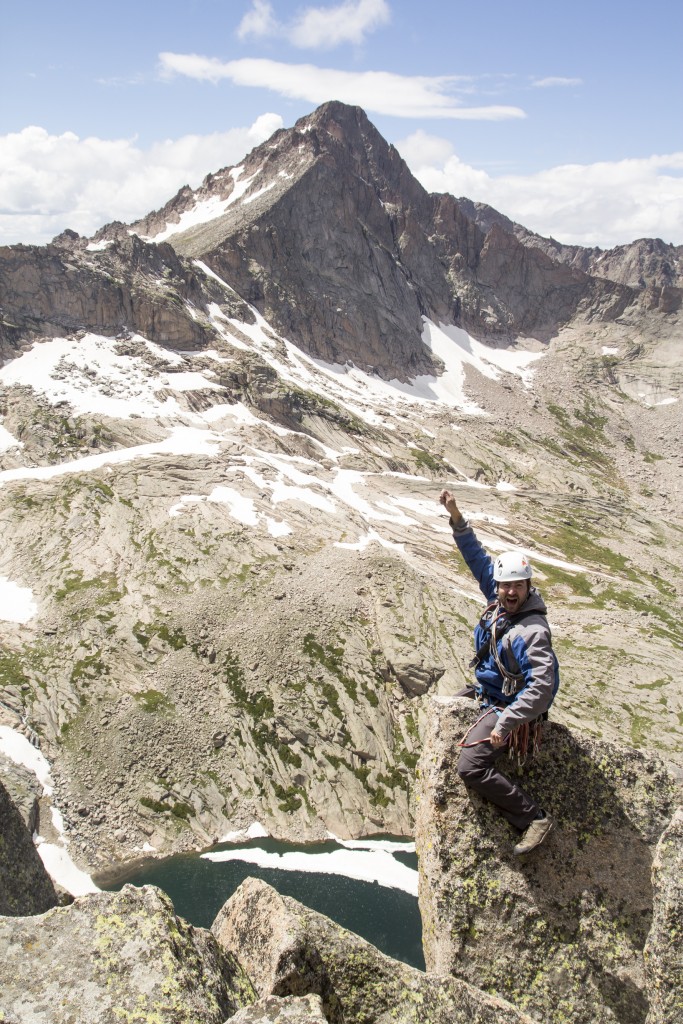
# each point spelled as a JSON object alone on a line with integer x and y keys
{"x": 526, "y": 649}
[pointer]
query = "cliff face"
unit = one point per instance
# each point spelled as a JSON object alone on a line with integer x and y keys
{"x": 122, "y": 286}
{"x": 328, "y": 234}
{"x": 560, "y": 933}
{"x": 25, "y": 886}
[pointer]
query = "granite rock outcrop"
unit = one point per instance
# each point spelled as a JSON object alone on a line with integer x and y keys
{"x": 290, "y": 1010}
{"x": 664, "y": 946}
{"x": 561, "y": 932}
{"x": 116, "y": 956}
{"x": 288, "y": 949}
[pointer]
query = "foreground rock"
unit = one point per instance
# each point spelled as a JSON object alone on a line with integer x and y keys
{"x": 664, "y": 948}
{"x": 25, "y": 886}
{"x": 568, "y": 923}
{"x": 290, "y": 1010}
{"x": 116, "y": 956}
{"x": 288, "y": 949}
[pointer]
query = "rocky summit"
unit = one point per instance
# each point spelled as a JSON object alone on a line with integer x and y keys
{"x": 229, "y": 594}
{"x": 561, "y": 932}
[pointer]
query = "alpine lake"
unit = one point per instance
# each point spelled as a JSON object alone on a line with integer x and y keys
{"x": 384, "y": 912}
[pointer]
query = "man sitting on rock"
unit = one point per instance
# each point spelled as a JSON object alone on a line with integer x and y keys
{"x": 516, "y": 678}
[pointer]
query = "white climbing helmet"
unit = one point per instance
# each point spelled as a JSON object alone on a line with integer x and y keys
{"x": 511, "y": 565}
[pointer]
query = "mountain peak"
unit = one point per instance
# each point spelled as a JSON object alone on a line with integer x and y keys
{"x": 325, "y": 232}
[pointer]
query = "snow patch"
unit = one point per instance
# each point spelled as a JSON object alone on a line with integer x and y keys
{"x": 16, "y": 603}
{"x": 8, "y": 441}
{"x": 62, "y": 870}
{"x": 278, "y": 529}
{"x": 94, "y": 378}
{"x": 366, "y": 865}
{"x": 254, "y": 831}
{"x": 372, "y": 537}
{"x": 205, "y": 210}
{"x": 181, "y": 441}
{"x": 17, "y": 748}
{"x": 57, "y": 861}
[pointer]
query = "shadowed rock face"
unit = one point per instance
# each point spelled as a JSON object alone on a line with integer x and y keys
{"x": 648, "y": 265}
{"x": 25, "y": 886}
{"x": 116, "y": 956}
{"x": 288, "y": 950}
{"x": 664, "y": 947}
{"x": 560, "y": 932}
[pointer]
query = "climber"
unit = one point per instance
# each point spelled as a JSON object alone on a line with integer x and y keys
{"x": 516, "y": 675}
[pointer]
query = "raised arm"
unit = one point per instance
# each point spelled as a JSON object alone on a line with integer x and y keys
{"x": 478, "y": 561}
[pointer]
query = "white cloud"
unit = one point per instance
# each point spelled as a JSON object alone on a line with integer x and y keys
{"x": 317, "y": 27}
{"x": 326, "y": 27}
{"x": 263, "y": 127}
{"x": 602, "y": 204}
{"x": 379, "y": 92}
{"x": 550, "y": 83}
{"x": 259, "y": 21}
{"x": 52, "y": 182}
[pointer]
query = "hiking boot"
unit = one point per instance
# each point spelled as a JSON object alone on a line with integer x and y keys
{"x": 534, "y": 835}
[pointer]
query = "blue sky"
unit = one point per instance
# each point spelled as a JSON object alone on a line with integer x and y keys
{"x": 566, "y": 118}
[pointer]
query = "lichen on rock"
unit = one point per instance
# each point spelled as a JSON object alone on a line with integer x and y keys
{"x": 288, "y": 949}
{"x": 664, "y": 946}
{"x": 117, "y": 956}
{"x": 289, "y": 1010}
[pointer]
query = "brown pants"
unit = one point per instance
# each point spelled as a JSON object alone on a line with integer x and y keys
{"x": 477, "y": 767}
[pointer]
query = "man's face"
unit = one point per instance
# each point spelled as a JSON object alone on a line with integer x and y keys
{"x": 512, "y": 594}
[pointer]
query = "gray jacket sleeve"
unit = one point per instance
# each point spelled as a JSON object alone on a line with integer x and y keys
{"x": 532, "y": 649}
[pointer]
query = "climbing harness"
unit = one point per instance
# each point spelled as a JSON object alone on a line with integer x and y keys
{"x": 497, "y": 623}
{"x": 522, "y": 742}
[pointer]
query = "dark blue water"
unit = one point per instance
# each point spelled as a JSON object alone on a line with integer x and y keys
{"x": 388, "y": 918}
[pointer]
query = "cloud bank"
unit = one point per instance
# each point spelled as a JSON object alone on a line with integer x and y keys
{"x": 52, "y": 182}
{"x": 553, "y": 82}
{"x": 603, "y": 204}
